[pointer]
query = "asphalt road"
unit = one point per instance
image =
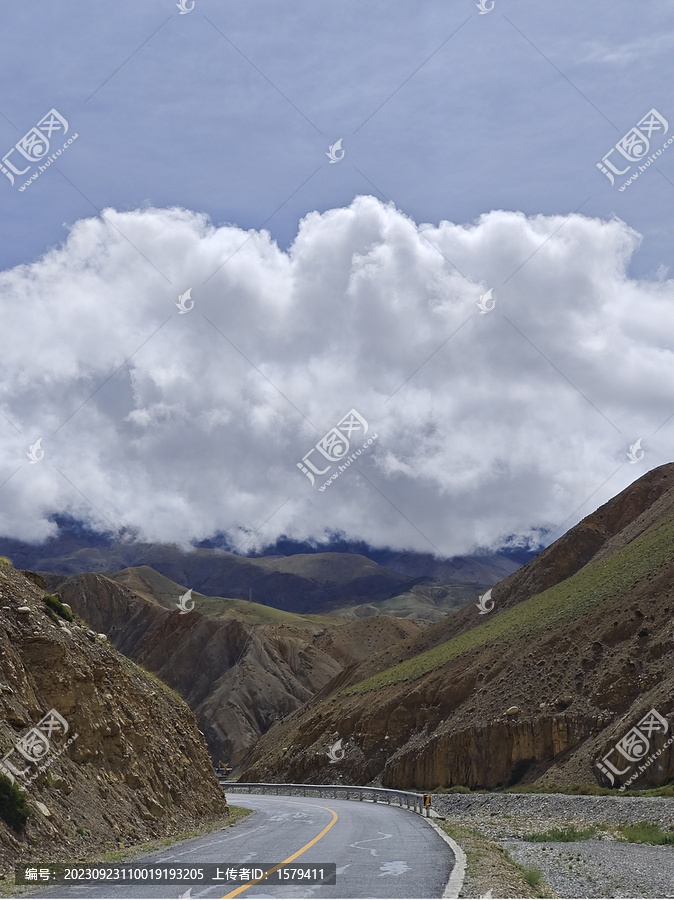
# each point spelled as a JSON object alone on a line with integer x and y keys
{"x": 379, "y": 850}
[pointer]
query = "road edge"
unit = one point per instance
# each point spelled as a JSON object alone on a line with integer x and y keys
{"x": 455, "y": 883}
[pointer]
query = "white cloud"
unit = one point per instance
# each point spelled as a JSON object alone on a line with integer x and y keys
{"x": 642, "y": 49}
{"x": 499, "y": 424}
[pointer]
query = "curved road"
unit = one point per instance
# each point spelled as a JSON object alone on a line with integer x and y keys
{"x": 379, "y": 850}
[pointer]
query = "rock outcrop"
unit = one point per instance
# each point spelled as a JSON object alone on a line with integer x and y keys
{"x": 136, "y": 766}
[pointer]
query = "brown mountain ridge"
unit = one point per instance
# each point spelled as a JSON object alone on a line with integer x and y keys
{"x": 578, "y": 647}
{"x": 240, "y": 666}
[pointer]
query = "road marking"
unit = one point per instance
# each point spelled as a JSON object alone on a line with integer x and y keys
{"x": 249, "y": 884}
{"x": 395, "y": 867}
{"x": 369, "y": 841}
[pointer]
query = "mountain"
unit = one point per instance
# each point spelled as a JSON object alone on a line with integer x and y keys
{"x": 307, "y": 583}
{"x": 427, "y": 601}
{"x": 578, "y": 648}
{"x": 299, "y": 582}
{"x": 136, "y": 767}
{"x": 240, "y": 666}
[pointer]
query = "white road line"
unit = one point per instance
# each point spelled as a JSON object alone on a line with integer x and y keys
{"x": 369, "y": 841}
{"x": 455, "y": 882}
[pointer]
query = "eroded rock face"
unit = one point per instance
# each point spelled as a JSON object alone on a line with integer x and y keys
{"x": 426, "y": 740}
{"x": 138, "y": 768}
{"x": 411, "y": 744}
{"x": 487, "y": 756}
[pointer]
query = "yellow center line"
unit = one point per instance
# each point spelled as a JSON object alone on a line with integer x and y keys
{"x": 244, "y": 887}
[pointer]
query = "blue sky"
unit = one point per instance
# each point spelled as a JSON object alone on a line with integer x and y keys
{"x": 204, "y": 137}
{"x": 479, "y": 120}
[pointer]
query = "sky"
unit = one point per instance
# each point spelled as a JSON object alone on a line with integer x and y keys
{"x": 387, "y": 225}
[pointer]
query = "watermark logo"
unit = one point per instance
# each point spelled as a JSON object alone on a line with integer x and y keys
{"x": 185, "y": 302}
{"x": 634, "y": 746}
{"x": 183, "y": 601}
{"x": 486, "y": 303}
{"x": 636, "y": 454}
{"x": 34, "y": 147}
{"x": 35, "y": 746}
{"x": 184, "y": 8}
{"x": 484, "y": 9}
{"x": 334, "y": 152}
{"x": 335, "y": 445}
{"x": 36, "y": 452}
{"x": 484, "y": 600}
{"x": 336, "y": 753}
{"x": 634, "y": 147}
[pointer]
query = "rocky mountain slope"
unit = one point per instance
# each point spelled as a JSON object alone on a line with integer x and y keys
{"x": 240, "y": 666}
{"x": 578, "y": 647}
{"x": 126, "y": 762}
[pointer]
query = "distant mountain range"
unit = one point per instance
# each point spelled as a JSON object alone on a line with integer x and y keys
{"x": 302, "y": 579}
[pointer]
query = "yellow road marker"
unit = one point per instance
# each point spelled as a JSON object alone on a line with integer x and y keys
{"x": 249, "y": 884}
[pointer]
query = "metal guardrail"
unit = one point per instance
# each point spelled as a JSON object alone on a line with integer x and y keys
{"x": 417, "y": 802}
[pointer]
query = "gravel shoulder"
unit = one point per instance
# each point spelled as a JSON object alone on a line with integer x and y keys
{"x": 489, "y": 870}
{"x": 600, "y": 868}
{"x": 491, "y": 827}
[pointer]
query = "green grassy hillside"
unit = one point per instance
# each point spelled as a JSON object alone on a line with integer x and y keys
{"x": 565, "y": 602}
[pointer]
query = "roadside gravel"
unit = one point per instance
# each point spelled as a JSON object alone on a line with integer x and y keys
{"x": 538, "y": 812}
{"x": 599, "y": 868}
{"x": 603, "y": 867}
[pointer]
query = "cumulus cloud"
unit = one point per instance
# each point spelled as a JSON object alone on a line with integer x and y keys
{"x": 490, "y": 425}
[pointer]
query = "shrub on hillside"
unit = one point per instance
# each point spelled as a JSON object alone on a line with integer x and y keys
{"x": 53, "y": 603}
{"x": 13, "y": 807}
